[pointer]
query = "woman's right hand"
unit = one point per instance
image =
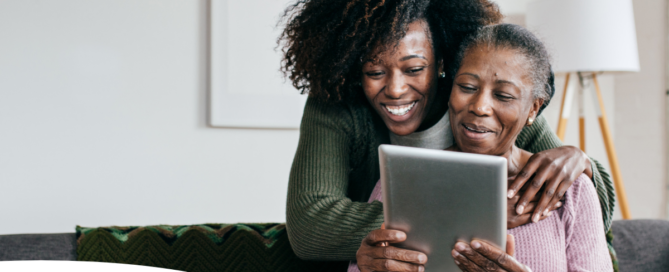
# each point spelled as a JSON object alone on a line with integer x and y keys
{"x": 480, "y": 256}
{"x": 513, "y": 219}
{"x": 376, "y": 253}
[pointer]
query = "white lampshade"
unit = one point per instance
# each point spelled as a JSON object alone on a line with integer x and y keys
{"x": 586, "y": 35}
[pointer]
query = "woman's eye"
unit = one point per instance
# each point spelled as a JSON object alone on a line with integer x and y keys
{"x": 374, "y": 74}
{"x": 504, "y": 97}
{"x": 415, "y": 70}
{"x": 467, "y": 88}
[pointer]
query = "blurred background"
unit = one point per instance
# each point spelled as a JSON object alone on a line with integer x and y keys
{"x": 106, "y": 115}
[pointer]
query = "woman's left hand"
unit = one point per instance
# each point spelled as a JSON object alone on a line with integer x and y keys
{"x": 480, "y": 256}
{"x": 555, "y": 168}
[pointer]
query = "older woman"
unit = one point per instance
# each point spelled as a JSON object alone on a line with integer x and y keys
{"x": 502, "y": 82}
{"x": 374, "y": 71}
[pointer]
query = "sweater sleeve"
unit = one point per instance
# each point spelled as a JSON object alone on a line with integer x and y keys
{"x": 584, "y": 235}
{"x": 322, "y": 222}
{"x": 539, "y": 137}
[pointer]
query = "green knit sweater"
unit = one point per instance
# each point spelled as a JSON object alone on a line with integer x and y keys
{"x": 336, "y": 167}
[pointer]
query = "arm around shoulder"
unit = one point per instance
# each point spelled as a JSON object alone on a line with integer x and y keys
{"x": 322, "y": 222}
{"x": 540, "y": 137}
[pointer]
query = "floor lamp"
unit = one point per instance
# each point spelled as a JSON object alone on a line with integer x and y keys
{"x": 588, "y": 37}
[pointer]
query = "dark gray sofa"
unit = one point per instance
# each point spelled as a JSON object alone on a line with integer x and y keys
{"x": 642, "y": 245}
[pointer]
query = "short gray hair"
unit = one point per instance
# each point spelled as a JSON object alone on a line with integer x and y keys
{"x": 515, "y": 37}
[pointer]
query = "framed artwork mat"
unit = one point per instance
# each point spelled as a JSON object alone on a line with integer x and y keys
{"x": 246, "y": 86}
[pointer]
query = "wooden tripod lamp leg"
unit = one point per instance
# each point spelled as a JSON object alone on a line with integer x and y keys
{"x": 564, "y": 111}
{"x": 610, "y": 150}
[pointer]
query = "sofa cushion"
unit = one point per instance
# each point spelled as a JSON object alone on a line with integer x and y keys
{"x": 58, "y": 246}
{"x": 208, "y": 247}
{"x": 642, "y": 245}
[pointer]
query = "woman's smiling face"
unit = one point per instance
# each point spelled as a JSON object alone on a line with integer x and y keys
{"x": 401, "y": 84}
{"x": 491, "y": 100}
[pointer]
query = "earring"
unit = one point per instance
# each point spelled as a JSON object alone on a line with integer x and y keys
{"x": 442, "y": 75}
{"x": 530, "y": 121}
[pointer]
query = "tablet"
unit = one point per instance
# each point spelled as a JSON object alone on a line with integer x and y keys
{"x": 438, "y": 197}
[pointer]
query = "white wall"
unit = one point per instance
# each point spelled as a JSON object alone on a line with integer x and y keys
{"x": 102, "y": 121}
{"x": 641, "y": 115}
{"x": 510, "y": 7}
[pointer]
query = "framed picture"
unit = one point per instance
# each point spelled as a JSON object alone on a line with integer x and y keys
{"x": 247, "y": 89}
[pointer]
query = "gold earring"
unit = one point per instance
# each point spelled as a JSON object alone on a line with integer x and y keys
{"x": 530, "y": 121}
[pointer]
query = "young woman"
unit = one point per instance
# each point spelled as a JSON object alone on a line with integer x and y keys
{"x": 502, "y": 82}
{"x": 366, "y": 89}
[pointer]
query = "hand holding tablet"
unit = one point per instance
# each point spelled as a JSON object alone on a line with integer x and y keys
{"x": 440, "y": 197}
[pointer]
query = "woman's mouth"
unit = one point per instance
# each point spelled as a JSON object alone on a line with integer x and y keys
{"x": 400, "y": 110}
{"x": 476, "y": 132}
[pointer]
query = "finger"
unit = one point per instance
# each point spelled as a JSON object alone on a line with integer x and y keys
{"x": 503, "y": 260}
{"x": 550, "y": 188}
{"x": 524, "y": 175}
{"x": 556, "y": 202}
{"x": 530, "y": 208}
{"x": 524, "y": 219}
{"x": 382, "y": 244}
{"x": 510, "y": 245}
{"x": 398, "y": 254}
{"x": 465, "y": 264}
{"x": 554, "y": 205}
{"x": 520, "y": 193}
{"x": 383, "y": 235}
{"x": 476, "y": 258}
{"x": 393, "y": 265}
{"x": 535, "y": 185}
{"x": 559, "y": 195}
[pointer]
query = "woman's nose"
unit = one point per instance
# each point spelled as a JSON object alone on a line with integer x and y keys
{"x": 481, "y": 105}
{"x": 396, "y": 87}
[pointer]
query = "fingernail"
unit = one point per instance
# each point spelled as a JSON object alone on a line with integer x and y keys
{"x": 455, "y": 253}
{"x": 559, "y": 204}
{"x": 422, "y": 258}
{"x": 550, "y": 213}
{"x": 535, "y": 218}
{"x": 520, "y": 209}
{"x": 510, "y": 194}
{"x": 460, "y": 246}
{"x": 456, "y": 262}
{"x": 545, "y": 212}
{"x": 476, "y": 245}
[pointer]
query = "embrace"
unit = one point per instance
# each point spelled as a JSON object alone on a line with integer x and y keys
{"x": 434, "y": 74}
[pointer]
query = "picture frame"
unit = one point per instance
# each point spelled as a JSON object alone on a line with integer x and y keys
{"x": 246, "y": 86}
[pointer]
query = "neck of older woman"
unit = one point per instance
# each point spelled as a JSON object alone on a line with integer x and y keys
{"x": 516, "y": 160}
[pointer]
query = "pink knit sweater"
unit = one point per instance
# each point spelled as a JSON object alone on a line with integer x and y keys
{"x": 571, "y": 239}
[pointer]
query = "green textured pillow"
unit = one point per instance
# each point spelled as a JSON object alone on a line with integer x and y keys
{"x": 195, "y": 248}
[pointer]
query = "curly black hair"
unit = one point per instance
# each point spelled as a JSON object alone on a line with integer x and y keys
{"x": 325, "y": 42}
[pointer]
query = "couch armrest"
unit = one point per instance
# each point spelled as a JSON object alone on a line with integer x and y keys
{"x": 641, "y": 245}
{"x": 58, "y": 246}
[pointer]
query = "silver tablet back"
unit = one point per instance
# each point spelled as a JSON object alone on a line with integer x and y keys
{"x": 438, "y": 197}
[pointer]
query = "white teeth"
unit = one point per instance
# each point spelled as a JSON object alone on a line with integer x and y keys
{"x": 471, "y": 129}
{"x": 400, "y": 110}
